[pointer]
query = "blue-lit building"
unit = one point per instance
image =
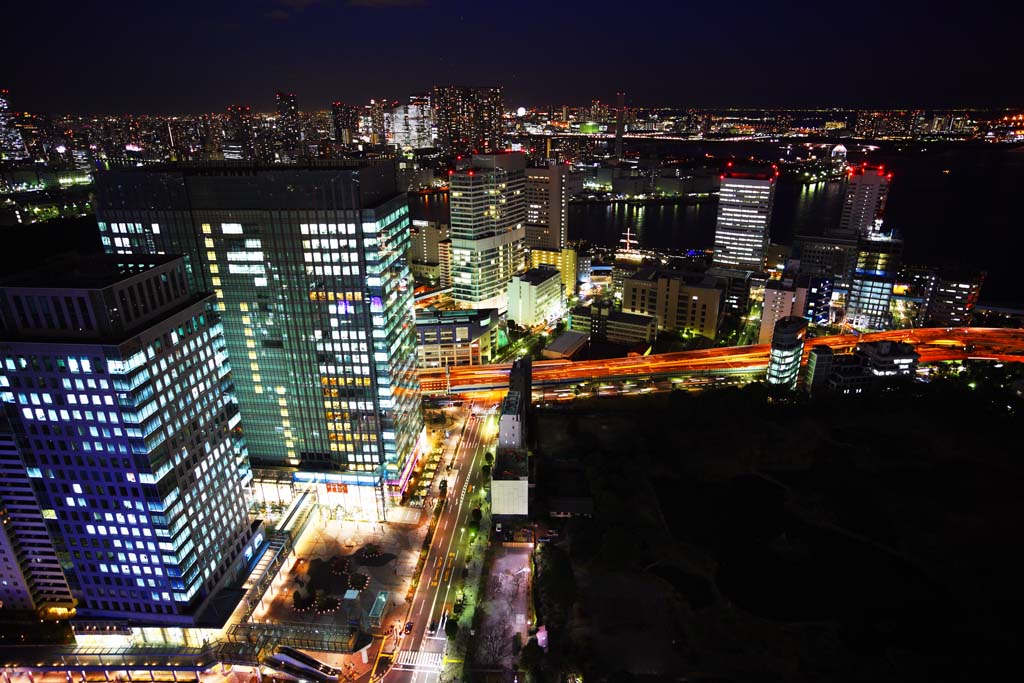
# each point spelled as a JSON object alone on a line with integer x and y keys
{"x": 118, "y": 390}
{"x": 868, "y": 304}
{"x": 309, "y": 270}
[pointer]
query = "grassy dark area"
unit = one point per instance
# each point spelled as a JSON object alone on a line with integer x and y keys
{"x": 27, "y": 246}
{"x": 834, "y": 539}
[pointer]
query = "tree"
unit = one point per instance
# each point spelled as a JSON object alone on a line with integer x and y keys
{"x": 451, "y": 628}
{"x": 494, "y": 647}
{"x": 478, "y": 514}
{"x": 531, "y": 656}
{"x": 488, "y": 457}
{"x": 486, "y": 471}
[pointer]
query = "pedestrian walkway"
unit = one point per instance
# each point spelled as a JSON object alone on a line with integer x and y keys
{"x": 404, "y": 515}
{"x": 420, "y": 660}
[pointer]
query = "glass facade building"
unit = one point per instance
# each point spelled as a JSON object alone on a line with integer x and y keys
{"x": 309, "y": 270}
{"x": 115, "y": 381}
{"x": 868, "y": 304}
{"x": 787, "y": 351}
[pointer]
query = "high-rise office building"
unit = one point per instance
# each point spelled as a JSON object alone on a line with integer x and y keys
{"x": 408, "y": 126}
{"x": 787, "y": 351}
{"x": 867, "y": 188}
{"x": 744, "y": 217}
{"x": 289, "y": 127}
{"x": 953, "y": 300}
{"x": 833, "y": 257}
{"x": 488, "y": 213}
{"x": 239, "y": 136}
{"x": 469, "y": 120}
{"x": 309, "y": 268}
{"x": 870, "y": 296}
{"x": 813, "y": 298}
{"x": 346, "y": 122}
{"x": 375, "y": 114}
{"x": 118, "y": 388}
{"x": 562, "y": 260}
{"x": 548, "y": 190}
{"x": 12, "y": 145}
{"x": 31, "y": 577}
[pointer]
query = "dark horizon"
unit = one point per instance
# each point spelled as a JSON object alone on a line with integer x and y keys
{"x": 193, "y": 58}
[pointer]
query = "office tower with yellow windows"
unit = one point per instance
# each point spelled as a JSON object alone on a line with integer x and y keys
{"x": 309, "y": 268}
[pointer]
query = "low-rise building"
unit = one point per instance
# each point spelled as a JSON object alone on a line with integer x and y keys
{"x": 510, "y": 485}
{"x": 872, "y": 364}
{"x": 600, "y": 321}
{"x": 678, "y": 300}
{"x": 462, "y": 337}
{"x": 535, "y": 296}
{"x": 510, "y": 423}
{"x": 566, "y": 345}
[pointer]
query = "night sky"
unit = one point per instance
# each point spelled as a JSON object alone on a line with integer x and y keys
{"x": 179, "y": 56}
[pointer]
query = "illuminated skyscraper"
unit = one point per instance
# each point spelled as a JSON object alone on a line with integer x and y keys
{"x": 12, "y": 145}
{"x": 409, "y": 126}
{"x": 289, "y": 127}
{"x": 488, "y": 210}
{"x": 867, "y": 188}
{"x": 346, "y": 122}
{"x": 309, "y": 268}
{"x": 469, "y": 120}
{"x": 744, "y": 218}
{"x": 239, "y": 136}
{"x": 548, "y": 190}
{"x": 954, "y": 297}
{"x": 31, "y": 577}
{"x": 118, "y": 386}
{"x": 787, "y": 351}
{"x": 878, "y": 262}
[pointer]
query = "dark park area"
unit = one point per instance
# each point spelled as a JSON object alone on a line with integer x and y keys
{"x": 743, "y": 535}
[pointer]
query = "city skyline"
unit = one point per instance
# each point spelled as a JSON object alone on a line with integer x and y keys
{"x": 687, "y": 50}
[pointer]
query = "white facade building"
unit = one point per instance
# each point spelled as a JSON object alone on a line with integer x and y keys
{"x": 535, "y": 296}
{"x": 779, "y": 302}
{"x": 867, "y": 188}
{"x": 510, "y": 424}
{"x": 744, "y": 217}
{"x": 488, "y": 213}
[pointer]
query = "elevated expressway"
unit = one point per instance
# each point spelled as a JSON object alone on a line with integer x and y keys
{"x": 934, "y": 345}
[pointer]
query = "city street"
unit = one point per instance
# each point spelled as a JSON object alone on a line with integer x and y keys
{"x": 419, "y": 656}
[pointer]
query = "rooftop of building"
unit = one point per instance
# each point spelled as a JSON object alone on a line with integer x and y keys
{"x": 510, "y": 405}
{"x": 866, "y": 169}
{"x": 90, "y": 271}
{"x": 435, "y": 317}
{"x": 886, "y": 349}
{"x": 538, "y": 276}
{"x": 614, "y": 316}
{"x": 567, "y": 343}
{"x": 690, "y": 277}
{"x": 750, "y": 171}
{"x": 511, "y": 465}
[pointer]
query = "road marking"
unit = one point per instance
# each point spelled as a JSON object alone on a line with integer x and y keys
{"x": 419, "y": 660}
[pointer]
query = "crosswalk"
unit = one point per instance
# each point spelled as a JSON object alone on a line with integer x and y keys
{"x": 420, "y": 660}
